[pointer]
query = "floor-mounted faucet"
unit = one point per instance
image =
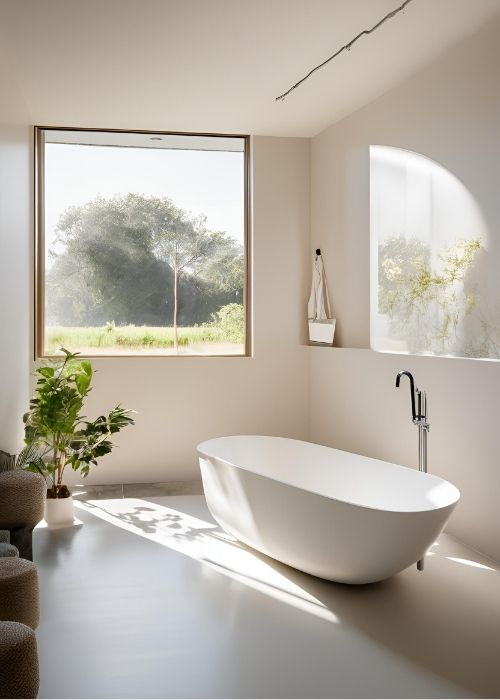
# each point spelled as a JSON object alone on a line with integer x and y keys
{"x": 419, "y": 418}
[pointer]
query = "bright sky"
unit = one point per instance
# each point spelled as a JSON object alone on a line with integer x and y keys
{"x": 202, "y": 182}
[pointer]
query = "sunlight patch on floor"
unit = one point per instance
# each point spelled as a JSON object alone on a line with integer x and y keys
{"x": 469, "y": 562}
{"x": 205, "y": 542}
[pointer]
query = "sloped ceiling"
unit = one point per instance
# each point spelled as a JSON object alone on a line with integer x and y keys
{"x": 217, "y": 65}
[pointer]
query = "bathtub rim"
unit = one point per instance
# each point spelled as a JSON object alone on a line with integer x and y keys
{"x": 450, "y": 504}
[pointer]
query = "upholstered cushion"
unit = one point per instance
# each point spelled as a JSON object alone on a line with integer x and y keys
{"x": 19, "y": 676}
{"x": 5, "y": 536}
{"x": 22, "y": 499}
{"x": 8, "y": 550}
{"x": 19, "y": 596}
{"x": 7, "y": 461}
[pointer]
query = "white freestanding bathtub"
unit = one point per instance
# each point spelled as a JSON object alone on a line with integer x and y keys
{"x": 333, "y": 514}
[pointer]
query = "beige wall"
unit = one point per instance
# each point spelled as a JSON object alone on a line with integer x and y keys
{"x": 179, "y": 401}
{"x": 449, "y": 112}
{"x": 15, "y": 249}
{"x": 182, "y": 401}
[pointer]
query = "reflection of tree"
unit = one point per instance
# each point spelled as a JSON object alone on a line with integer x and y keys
{"x": 426, "y": 304}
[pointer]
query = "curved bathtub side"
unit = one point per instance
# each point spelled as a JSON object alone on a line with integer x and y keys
{"x": 326, "y": 471}
{"x": 313, "y": 533}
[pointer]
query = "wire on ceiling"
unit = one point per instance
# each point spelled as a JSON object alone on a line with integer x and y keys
{"x": 346, "y": 47}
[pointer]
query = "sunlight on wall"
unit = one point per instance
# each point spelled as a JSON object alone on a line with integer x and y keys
{"x": 433, "y": 288}
{"x": 207, "y": 543}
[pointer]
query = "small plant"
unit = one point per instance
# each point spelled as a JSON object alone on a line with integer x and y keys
{"x": 229, "y": 321}
{"x": 148, "y": 340}
{"x": 56, "y": 434}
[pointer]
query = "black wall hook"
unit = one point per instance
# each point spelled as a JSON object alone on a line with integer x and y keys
{"x": 318, "y": 251}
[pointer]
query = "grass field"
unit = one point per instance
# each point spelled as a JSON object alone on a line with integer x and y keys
{"x": 132, "y": 338}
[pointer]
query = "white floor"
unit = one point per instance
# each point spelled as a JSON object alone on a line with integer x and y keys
{"x": 149, "y": 599}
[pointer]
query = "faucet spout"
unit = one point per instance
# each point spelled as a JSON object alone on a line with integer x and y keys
{"x": 403, "y": 373}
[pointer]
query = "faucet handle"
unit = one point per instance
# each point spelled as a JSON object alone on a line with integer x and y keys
{"x": 421, "y": 404}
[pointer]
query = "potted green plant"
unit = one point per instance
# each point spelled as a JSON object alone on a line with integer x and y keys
{"x": 57, "y": 436}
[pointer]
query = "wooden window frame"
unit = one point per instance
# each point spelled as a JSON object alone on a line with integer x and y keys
{"x": 39, "y": 239}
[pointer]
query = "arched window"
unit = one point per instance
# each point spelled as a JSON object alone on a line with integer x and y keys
{"x": 434, "y": 288}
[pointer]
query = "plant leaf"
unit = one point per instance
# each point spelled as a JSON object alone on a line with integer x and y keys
{"x": 87, "y": 367}
{"x": 27, "y": 455}
{"x": 83, "y": 382}
{"x": 46, "y": 371}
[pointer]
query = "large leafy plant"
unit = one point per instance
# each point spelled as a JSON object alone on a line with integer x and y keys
{"x": 55, "y": 432}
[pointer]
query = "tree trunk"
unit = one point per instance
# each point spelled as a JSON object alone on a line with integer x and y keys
{"x": 176, "y": 340}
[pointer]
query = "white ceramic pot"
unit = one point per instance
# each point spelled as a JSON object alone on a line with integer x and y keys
{"x": 59, "y": 512}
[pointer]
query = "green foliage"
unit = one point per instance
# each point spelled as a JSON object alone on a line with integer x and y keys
{"x": 104, "y": 265}
{"x": 425, "y": 305}
{"x": 55, "y": 432}
{"x": 185, "y": 243}
{"x": 131, "y": 338}
{"x": 401, "y": 262}
{"x": 184, "y": 246}
{"x": 226, "y": 326}
{"x": 113, "y": 260}
{"x": 224, "y": 268}
{"x": 229, "y": 323}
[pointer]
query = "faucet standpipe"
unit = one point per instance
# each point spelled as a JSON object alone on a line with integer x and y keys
{"x": 419, "y": 418}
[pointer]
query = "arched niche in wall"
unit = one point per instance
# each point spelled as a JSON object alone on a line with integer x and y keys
{"x": 433, "y": 288}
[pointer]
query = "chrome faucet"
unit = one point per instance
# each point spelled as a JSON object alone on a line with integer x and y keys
{"x": 419, "y": 418}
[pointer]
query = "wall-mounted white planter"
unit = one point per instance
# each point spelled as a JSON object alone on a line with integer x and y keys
{"x": 322, "y": 332}
{"x": 59, "y": 512}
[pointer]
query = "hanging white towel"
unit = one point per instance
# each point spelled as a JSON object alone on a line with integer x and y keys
{"x": 318, "y": 307}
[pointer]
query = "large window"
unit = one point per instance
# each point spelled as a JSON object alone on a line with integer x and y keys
{"x": 142, "y": 243}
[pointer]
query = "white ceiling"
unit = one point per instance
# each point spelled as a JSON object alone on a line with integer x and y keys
{"x": 217, "y": 65}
